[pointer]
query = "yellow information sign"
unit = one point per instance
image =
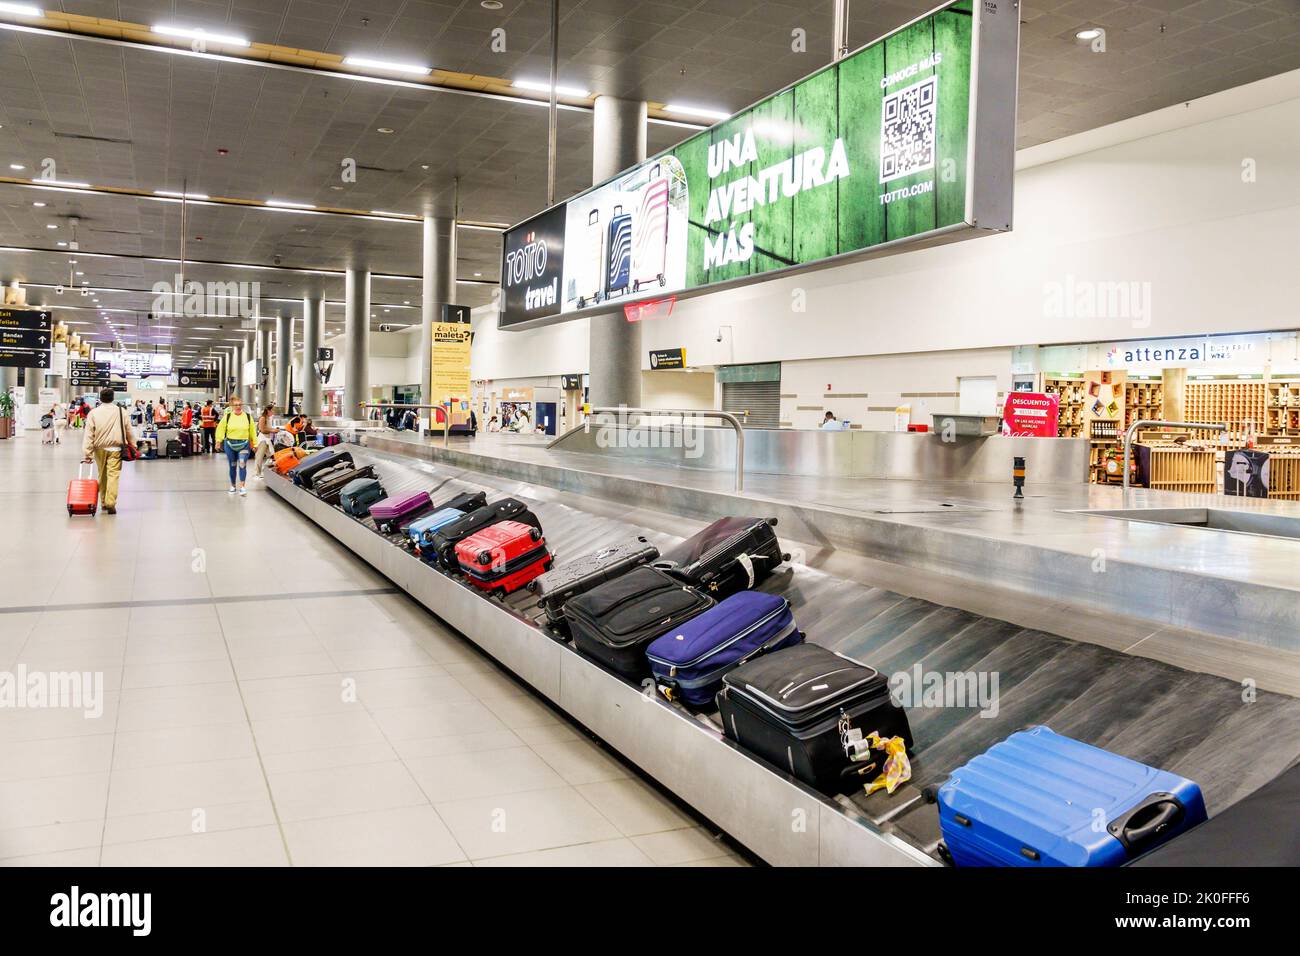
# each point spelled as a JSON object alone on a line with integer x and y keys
{"x": 449, "y": 365}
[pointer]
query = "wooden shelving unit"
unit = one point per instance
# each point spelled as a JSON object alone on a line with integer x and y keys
{"x": 1233, "y": 401}
{"x": 1283, "y": 408}
{"x": 1143, "y": 399}
{"x": 1071, "y": 392}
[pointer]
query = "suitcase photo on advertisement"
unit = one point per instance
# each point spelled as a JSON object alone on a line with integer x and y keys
{"x": 83, "y": 493}
{"x": 303, "y": 473}
{"x": 730, "y": 555}
{"x": 786, "y": 707}
{"x": 580, "y": 575}
{"x": 615, "y": 622}
{"x": 650, "y": 253}
{"x": 688, "y": 662}
{"x": 445, "y": 539}
{"x": 1041, "y": 799}
{"x": 389, "y": 513}
{"x": 359, "y": 494}
{"x": 588, "y": 285}
{"x": 620, "y": 252}
{"x": 503, "y": 557}
{"x": 330, "y": 489}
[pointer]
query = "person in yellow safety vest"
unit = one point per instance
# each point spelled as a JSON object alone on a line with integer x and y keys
{"x": 235, "y": 435}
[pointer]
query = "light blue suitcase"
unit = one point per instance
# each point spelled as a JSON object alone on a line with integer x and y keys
{"x": 1040, "y": 799}
{"x": 421, "y": 531}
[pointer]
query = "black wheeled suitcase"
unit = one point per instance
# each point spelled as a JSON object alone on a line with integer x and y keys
{"x": 616, "y": 621}
{"x": 329, "y": 491}
{"x": 786, "y": 707}
{"x": 447, "y": 537}
{"x": 580, "y": 575}
{"x": 173, "y": 448}
{"x": 304, "y": 473}
{"x": 730, "y": 555}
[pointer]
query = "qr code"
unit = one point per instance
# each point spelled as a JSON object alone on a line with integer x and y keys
{"x": 907, "y": 124}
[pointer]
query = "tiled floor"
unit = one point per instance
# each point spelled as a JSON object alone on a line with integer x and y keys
{"x": 268, "y": 699}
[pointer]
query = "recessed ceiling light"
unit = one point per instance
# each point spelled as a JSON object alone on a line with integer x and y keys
{"x": 386, "y": 130}
{"x": 167, "y": 30}
{"x": 62, "y": 243}
{"x": 50, "y": 225}
{"x": 702, "y": 111}
{"x": 490, "y": 4}
{"x": 424, "y": 165}
{"x": 39, "y": 205}
{"x": 60, "y": 182}
{"x": 477, "y": 274}
{"x": 285, "y": 204}
{"x": 176, "y": 195}
{"x": 541, "y": 87}
{"x": 22, "y": 9}
{"x": 367, "y": 63}
{"x": 1089, "y": 34}
{"x": 337, "y": 189}
{"x": 406, "y": 302}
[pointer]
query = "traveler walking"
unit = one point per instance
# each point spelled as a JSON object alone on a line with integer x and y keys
{"x": 265, "y": 437}
{"x": 60, "y": 412}
{"x": 107, "y": 433}
{"x": 235, "y": 435}
{"x": 208, "y": 421}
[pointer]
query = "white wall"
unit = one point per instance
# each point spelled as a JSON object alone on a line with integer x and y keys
{"x": 678, "y": 389}
{"x": 394, "y": 358}
{"x": 1158, "y": 201}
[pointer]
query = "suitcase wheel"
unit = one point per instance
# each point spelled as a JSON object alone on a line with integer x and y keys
{"x": 535, "y": 534}
{"x": 485, "y": 558}
{"x": 944, "y": 854}
{"x": 69, "y": 509}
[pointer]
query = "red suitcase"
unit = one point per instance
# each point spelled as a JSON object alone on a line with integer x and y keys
{"x": 83, "y": 494}
{"x": 503, "y": 557}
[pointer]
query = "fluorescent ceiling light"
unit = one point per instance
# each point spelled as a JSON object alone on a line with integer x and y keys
{"x": 471, "y": 225}
{"x": 60, "y": 182}
{"x": 380, "y": 212}
{"x": 702, "y": 111}
{"x": 285, "y": 204}
{"x": 21, "y": 9}
{"x": 1090, "y": 34}
{"x": 167, "y": 30}
{"x": 39, "y": 205}
{"x": 17, "y": 166}
{"x": 168, "y": 192}
{"x": 367, "y": 63}
{"x": 541, "y": 87}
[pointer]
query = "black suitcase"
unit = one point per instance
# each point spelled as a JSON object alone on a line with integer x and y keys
{"x": 173, "y": 448}
{"x": 730, "y": 555}
{"x": 579, "y": 576}
{"x": 1261, "y": 830}
{"x": 327, "y": 474}
{"x": 304, "y": 473}
{"x": 616, "y": 621}
{"x": 786, "y": 707}
{"x": 445, "y": 541}
{"x": 329, "y": 491}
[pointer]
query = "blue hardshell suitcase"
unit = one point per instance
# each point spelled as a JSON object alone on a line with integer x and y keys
{"x": 1040, "y": 799}
{"x": 421, "y": 531}
{"x": 688, "y": 663}
{"x": 620, "y": 252}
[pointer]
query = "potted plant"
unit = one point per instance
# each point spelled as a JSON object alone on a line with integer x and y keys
{"x": 6, "y": 414}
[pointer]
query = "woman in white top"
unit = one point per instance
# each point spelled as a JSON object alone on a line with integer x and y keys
{"x": 60, "y": 412}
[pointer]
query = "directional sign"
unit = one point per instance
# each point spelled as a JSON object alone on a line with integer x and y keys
{"x": 12, "y": 358}
{"x": 25, "y": 319}
{"x": 25, "y": 339}
{"x": 196, "y": 377}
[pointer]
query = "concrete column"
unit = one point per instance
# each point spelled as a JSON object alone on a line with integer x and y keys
{"x": 283, "y": 356}
{"x": 32, "y": 379}
{"x": 618, "y": 141}
{"x": 264, "y": 395}
{"x": 1173, "y": 403}
{"x": 313, "y": 321}
{"x": 356, "y": 342}
{"x": 241, "y": 386}
{"x": 438, "y": 288}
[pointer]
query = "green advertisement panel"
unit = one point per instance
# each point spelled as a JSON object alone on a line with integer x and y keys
{"x": 873, "y": 151}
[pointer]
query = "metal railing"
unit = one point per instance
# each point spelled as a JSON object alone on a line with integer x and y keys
{"x": 720, "y": 415}
{"x": 1221, "y": 427}
{"x": 444, "y": 408}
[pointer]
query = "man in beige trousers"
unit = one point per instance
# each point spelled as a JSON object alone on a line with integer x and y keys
{"x": 107, "y": 432}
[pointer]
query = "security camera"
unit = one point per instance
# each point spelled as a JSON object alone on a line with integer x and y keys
{"x": 276, "y": 260}
{"x": 719, "y": 335}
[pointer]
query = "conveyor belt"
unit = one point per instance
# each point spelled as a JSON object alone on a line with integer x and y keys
{"x": 1193, "y": 724}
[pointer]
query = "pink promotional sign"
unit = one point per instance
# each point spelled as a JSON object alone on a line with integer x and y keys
{"x": 1031, "y": 413}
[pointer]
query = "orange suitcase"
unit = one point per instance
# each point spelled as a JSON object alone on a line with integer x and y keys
{"x": 83, "y": 494}
{"x": 285, "y": 459}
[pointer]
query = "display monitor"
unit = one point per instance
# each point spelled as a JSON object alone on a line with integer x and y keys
{"x": 135, "y": 364}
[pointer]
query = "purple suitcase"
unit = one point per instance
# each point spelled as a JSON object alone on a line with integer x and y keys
{"x": 392, "y": 512}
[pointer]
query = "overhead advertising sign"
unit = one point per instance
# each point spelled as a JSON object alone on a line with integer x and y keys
{"x": 908, "y": 140}
{"x": 667, "y": 358}
{"x": 25, "y": 319}
{"x": 449, "y": 364}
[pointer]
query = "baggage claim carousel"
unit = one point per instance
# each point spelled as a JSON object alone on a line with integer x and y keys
{"x": 1193, "y": 724}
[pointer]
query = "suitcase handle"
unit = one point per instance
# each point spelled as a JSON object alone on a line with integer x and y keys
{"x": 94, "y": 469}
{"x": 1146, "y": 821}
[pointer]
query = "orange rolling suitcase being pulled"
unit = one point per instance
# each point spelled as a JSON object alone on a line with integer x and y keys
{"x": 83, "y": 494}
